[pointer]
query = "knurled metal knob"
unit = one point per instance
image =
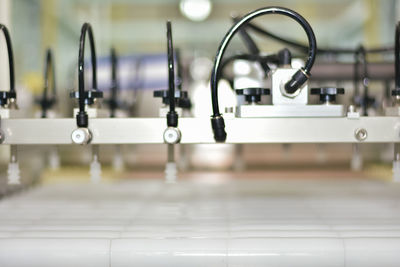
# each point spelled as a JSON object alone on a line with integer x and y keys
{"x": 253, "y": 95}
{"x": 164, "y": 94}
{"x": 327, "y": 94}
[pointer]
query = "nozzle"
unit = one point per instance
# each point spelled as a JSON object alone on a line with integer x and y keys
{"x": 14, "y": 177}
{"x": 95, "y": 166}
{"x": 171, "y": 173}
{"x": 297, "y": 81}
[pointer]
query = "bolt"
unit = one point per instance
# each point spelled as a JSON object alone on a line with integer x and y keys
{"x": 81, "y": 136}
{"x": 361, "y": 134}
{"x": 172, "y": 135}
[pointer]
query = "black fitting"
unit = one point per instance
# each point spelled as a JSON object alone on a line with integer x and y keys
{"x": 285, "y": 57}
{"x": 11, "y": 94}
{"x": 172, "y": 119}
{"x": 82, "y": 119}
{"x": 296, "y": 82}
{"x": 5, "y": 96}
{"x": 218, "y": 126}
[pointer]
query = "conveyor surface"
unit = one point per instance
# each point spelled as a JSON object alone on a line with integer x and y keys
{"x": 243, "y": 222}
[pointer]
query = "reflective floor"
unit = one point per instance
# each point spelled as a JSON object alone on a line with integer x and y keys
{"x": 204, "y": 222}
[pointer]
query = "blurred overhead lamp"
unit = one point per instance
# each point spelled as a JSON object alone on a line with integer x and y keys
{"x": 196, "y": 10}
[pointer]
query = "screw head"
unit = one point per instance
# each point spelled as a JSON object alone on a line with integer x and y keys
{"x": 361, "y": 134}
{"x": 172, "y": 135}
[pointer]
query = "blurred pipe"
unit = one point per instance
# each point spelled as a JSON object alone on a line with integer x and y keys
{"x": 345, "y": 71}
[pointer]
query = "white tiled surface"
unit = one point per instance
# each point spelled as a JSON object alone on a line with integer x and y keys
{"x": 238, "y": 223}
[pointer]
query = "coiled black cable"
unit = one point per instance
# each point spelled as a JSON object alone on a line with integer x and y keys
{"x": 11, "y": 93}
{"x": 297, "y": 80}
{"x": 82, "y": 117}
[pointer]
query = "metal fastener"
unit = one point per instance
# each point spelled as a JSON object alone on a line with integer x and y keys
{"x": 361, "y": 134}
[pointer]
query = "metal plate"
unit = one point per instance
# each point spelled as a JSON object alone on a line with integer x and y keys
{"x": 198, "y": 130}
{"x": 284, "y": 111}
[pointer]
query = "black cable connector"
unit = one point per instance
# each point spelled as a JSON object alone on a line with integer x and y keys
{"x": 5, "y": 96}
{"x": 285, "y": 57}
{"x": 172, "y": 115}
{"x": 298, "y": 79}
{"x": 218, "y": 126}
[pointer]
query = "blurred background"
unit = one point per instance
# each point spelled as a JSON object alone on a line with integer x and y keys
{"x": 138, "y": 27}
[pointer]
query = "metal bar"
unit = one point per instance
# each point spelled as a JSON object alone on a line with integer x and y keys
{"x": 198, "y": 130}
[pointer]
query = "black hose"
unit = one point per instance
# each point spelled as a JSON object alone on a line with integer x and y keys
{"x": 82, "y": 117}
{"x": 297, "y": 80}
{"x": 114, "y": 82}
{"x": 303, "y": 47}
{"x": 49, "y": 68}
{"x": 397, "y": 57}
{"x": 172, "y": 116}
{"x": 171, "y": 70}
{"x": 10, "y": 59}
